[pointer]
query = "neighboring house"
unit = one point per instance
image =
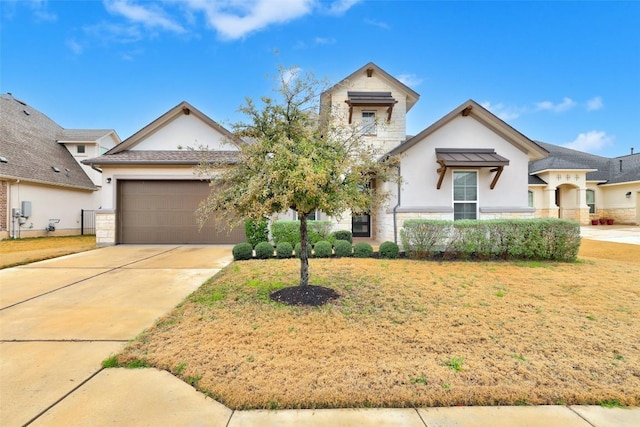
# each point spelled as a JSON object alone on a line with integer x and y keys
{"x": 469, "y": 164}
{"x": 43, "y": 186}
{"x": 581, "y": 186}
{"x": 151, "y": 189}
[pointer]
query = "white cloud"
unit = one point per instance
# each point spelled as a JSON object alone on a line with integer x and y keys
{"x": 410, "y": 80}
{"x": 502, "y": 111}
{"x": 75, "y": 47}
{"x": 235, "y": 19}
{"x": 149, "y": 15}
{"x": 339, "y": 7}
{"x": 595, "y": 104}
{"x": 40, "y": 11}
{"x": 114, "y": 33}
{"x": 565, "y": 105}
{"x": 324, "y": 40}
{"x": 592, "y": 141}
{"x": 375, "y": 23}
{"x": 290, "y": 74}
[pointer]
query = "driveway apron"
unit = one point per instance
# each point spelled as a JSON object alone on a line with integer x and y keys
{"x": 60, "y": 318}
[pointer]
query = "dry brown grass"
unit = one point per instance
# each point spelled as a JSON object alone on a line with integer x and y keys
{"x": 527, "y": 333}
{"x": 22, "y": 251}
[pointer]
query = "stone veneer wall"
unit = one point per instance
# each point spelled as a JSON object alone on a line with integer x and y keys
{"x": 547, "y": 213}
{"x": 580, "y": 215}
{"x": 620, "y": 216}
{"x": 105, "y": 228}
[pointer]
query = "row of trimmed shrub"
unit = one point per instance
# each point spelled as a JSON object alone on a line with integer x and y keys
{"x": 532, "y": 239}
{"x": 257, "y": 231}
{"x": 321, "y": 249}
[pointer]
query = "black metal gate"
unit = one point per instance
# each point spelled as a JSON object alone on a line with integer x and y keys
{"x": 87, "y": 222}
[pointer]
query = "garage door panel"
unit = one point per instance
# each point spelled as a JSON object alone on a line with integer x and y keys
{"x": 164, "y": 212}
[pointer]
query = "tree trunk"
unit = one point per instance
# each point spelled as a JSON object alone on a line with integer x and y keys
{"x": 304, "y": 257}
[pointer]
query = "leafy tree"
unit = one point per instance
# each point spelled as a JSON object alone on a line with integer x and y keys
{"x": 299, "y": 156}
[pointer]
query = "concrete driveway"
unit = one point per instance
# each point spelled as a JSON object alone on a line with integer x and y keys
{"x": 60, "y": 318}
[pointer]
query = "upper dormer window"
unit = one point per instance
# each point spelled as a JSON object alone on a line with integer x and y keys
{"x": 368, "y": 122}
{"x": 80, "y": 149}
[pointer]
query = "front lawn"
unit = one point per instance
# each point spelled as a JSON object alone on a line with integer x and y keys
{"x": 409, "y": 333}
{"x": 23, "y": 251}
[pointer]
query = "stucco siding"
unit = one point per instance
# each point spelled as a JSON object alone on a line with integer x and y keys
{"x": 185, "y": 131}
{"x": 49, "y": 204}
{"x": 420, "y": 177}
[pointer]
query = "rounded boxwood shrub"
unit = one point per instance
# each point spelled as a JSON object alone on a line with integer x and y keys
{"x": 342, "y": 248}
{"x": 242, "y": 251}
{"x": 323, "y": 249}
{"x": 389, "y": 250}
{"x": 284, "y": 250}
{"x": 343, "y": 235}
{"x": 298, "y": 249}
{"x": 362, "y": 250}
{"x": 264, "y": 250}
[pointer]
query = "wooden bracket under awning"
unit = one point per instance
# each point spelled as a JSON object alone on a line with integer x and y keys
{"x": 468, "y": 158}
{"x": 370, "y": 99}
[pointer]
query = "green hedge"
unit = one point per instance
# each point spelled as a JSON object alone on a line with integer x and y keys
{"x": 256, "y": 231}
{"x": 362, "y": 250}
{"x": 284, "y": 250}
{"x": 242, "y": 251}
{"x": 539, "y": 239}
{"x": 322, "y": 249}
{"x": 343, "y": 235}
{"x": 289, "y": 231}
{"x": 264, "y": 250}
{"x": 342, "y": 248}
{"x": 389, "y": 250}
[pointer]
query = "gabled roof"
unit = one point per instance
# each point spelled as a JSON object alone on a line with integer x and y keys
{"x": 176, "y": 157}
{"x": 183, "y": 108}
{"x": 607, "y": 170}
{"x": 485, "y": 117}
{"x": 412, "y": 95}
{"x": 28, "y": 142}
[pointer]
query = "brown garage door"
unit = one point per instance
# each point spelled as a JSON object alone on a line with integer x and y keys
{"x": 164, "y": 212}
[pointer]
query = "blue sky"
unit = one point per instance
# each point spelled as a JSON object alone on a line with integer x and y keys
{"x": 567, "y": 73}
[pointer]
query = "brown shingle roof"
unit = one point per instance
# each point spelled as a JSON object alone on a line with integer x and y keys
{"x": 28, "y": 142}
{"x": 176, "y": 157}
{"x": 83, "y": 135}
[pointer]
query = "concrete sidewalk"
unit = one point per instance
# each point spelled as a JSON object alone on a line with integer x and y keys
{"x": 59, "y": 319}
{"x": 629, "y": 234}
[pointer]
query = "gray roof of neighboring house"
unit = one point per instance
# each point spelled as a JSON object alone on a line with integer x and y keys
{"x": 28, "y": 141}
{"x": 610, "y": 170}
{"x": 176, "y": 157}
{"x": 83, "y": 135}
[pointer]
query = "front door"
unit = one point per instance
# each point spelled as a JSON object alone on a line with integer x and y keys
{"x": 361, "y": 225}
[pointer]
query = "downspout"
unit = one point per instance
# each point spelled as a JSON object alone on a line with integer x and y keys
{"x": 395, "y": 208}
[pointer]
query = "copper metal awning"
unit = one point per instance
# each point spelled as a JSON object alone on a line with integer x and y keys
{"x": 470, "y": 158}
{"x": 370, "y": 99}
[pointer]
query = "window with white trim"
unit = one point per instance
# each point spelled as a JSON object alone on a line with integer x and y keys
{"x": 80, "y": 149}
{"x": 312, "y": 216}
{"x": 530, "y": 198}
{"x": 465, "y": 195}
{"x": 591, "y": 201}
{"x": 368, "y": 122}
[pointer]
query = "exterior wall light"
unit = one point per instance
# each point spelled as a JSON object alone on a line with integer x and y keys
{"x": 628, "y": 195}
{"x": 108, "y": 180}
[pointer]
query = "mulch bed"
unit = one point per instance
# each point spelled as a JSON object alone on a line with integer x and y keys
{"x": 304, "y": 295}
